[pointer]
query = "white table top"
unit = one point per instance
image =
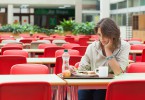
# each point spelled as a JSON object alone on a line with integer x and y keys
{"x": 105, "y": 82}
{"x": 41, "y": 60}
{"x": 135, "y": 52}
{"x": 51, "y": 78}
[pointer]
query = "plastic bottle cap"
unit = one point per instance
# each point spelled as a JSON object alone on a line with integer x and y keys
{"x": 65, "y": 50}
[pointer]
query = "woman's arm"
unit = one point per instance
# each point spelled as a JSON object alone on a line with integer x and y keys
{"x": 85, "y": 61}
{"x": 117, "y": 64}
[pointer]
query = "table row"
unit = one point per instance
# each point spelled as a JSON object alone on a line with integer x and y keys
{"x": 74, "y": 84}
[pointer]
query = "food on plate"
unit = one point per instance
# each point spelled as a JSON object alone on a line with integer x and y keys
{"x": 66, "y": 73}
{"x": 84, "y": 73}
{"x": 87, "y": 72}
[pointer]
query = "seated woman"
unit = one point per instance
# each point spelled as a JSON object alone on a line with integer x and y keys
{"x": 109, "y": 51}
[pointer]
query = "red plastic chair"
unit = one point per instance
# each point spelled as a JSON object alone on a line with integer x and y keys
{"x": 135, "y": 39}
{"x": 81, "y": 49}
{"x": 58, "y": 66}
{"x": 25, "y": 91}
{"x": 16, "y": 52}
{"x": 143, "y": 55}
{"x": 83, "y": 41}
{"x": 29, "y": 69}
{"x": 50, "y": 51}
{"x": 69, "y": 45}
{"x": 70, "y": 51}
{"x": 138, "y": 67}
{"x": 7, "y": 61}
{"x": 43, "y": 46}
{"x": 126, "y": 90}
{"x": 70, "y": 39}
{"x": 26, "y": 40}
{"x": 10, "y": 48}
{"x": 137, "y": 47}
{"x": 14, "y": 45}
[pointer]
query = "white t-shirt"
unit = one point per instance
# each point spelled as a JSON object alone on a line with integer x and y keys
{"x": 94, "y": 57}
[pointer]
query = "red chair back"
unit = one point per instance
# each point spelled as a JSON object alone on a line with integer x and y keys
{"x": 7, "y": 61}
{"x": 43, "y": 46}
{"x": 143, "y": 55}
{"x": 81, "y": 49}
{"x": 135, "y": 39}
{"x": 69, "y": 45}
{"x": 83, "y": 41}
{"x": 126, "y": 90}
{"x": 29, "y": 69}
{"x": 25, "y": 40}
{"x": 70, "y": 51}
{"x": 50, "y": 51}
{"x": 137, "y": 47}
{"x": 70, "y": 39}
{"x": 138, "y": 67}
{"x": 14, "y": 45}
{"x": 16, "y": 52}
{"x": 72, "y": 61}
{"x": 25, "y": 91}
{"x": 9, "y": 48}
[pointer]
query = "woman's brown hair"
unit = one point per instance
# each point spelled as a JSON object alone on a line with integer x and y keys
{"x": 109, "y": 29}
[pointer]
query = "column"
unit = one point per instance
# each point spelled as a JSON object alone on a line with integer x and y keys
{"x": 32, "y": 16}
{"x": 78, "y": 11}
{"x": 10, "y": 14}
{"x": 104, "y": 8}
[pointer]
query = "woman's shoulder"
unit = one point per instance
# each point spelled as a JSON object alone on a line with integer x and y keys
{"x": 124, "y": 43}
{"x": 94, "y": 44}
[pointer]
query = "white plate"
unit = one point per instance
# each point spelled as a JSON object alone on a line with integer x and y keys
{"x": 84, "y": 75}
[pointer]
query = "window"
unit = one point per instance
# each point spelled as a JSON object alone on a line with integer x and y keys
{"x": 123, "y": 19}
{"x": 142, "y": 2}
{"x": 122, "y": 4}
{"x": 133, "y": 3}
{"x": 113, "y": 6}
{"x": 120, "y": 19}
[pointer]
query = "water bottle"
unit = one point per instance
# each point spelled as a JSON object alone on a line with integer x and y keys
{"x": 65, "y": 58}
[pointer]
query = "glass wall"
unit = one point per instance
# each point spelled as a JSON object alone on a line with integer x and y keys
{"x": 133, "y": 3}
{"x": 113, "y": 6}
{"x": 142, "y": 2}
{"x": 120, "y": 19}
{"x": 122, "y": 4}
{"x": 90, "y": 17}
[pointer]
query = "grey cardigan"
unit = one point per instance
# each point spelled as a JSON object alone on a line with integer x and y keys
{"x": 94, "y": 57}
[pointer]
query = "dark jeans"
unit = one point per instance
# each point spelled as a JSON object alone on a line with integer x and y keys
{"x": 92, "y": 94}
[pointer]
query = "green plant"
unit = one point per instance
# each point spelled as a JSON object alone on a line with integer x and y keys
{"x": 58, "y": 29}
{"x": 16, "y": 28}
{"x": 84, "y": 28}
{"x": 68, "y": 25}
{"x": 6, "y": 28}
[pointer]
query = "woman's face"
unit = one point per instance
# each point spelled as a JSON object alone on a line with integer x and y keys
{"x": 104, "y": 40}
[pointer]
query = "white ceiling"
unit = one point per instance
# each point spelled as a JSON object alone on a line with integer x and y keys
{"x": 44, "y": 3}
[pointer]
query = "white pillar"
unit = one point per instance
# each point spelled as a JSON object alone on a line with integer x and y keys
{"x": 10, "y": 14}
{"x": 104, "y": 8}
{"x": 32, "y": 16}
{"x": 78, "y": 11}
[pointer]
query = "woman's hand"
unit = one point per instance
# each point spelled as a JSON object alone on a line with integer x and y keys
{"x": 109, "y": 45}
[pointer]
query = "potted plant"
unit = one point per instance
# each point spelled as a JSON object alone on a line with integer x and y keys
{"x": 84, "y": 28}
{"x": 66, "y": 26}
